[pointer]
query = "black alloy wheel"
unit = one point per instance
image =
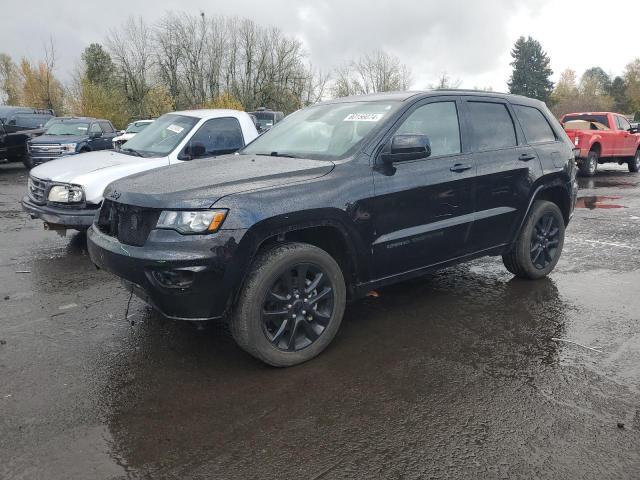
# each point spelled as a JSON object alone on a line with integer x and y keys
{"x": 298, "y": 307}
{"x": 545, "y": 239}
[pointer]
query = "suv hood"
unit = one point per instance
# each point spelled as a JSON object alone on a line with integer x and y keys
{"x": 59, "y": 139}
{"x": 201, "y": 183}
{"x": 95, "y": 170}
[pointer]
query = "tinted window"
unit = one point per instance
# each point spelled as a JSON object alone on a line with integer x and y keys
{"x": 439, "y": 122}
{"x": 492, "y": 126}
{"x": 603, "y": 119}
{"x": 219, "y": 135}
{"x": 535, "y": 125}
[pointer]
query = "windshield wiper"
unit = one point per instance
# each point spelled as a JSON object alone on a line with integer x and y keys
{"x": 276, "y": 154}
{"x": 132, "y": 151}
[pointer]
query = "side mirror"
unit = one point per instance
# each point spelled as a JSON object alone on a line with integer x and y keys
{"x": 633, "y": 130}
{"x": 96, "y": 134}
{"x": 193, "y": 150}
{"x": 407, "y": 147}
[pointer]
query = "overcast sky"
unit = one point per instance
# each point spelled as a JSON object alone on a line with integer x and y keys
{"x": 470, "y": 40}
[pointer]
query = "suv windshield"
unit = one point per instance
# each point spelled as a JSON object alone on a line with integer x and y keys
{"x": 321, "y": 132}
{"x": 162, "y": 136}
{"x": 137, "y": 127}
{"x": 67, "y": 128}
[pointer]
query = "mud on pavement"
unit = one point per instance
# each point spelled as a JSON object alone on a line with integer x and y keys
{"x": 452, "y": 376}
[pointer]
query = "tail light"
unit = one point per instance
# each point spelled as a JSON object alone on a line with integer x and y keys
{"x": 576, "y": 140}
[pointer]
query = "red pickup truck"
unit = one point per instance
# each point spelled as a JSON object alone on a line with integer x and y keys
{"x": 602, "y": 137}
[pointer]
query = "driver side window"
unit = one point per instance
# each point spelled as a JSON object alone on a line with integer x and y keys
{"x": 439, "y": 122}
{"x": 623, "y": 123}
{"x": 95, "y": 128}
{"x": 218, "y": 136}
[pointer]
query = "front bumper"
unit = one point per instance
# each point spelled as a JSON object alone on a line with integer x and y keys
{"x": 79, "y": 219}
{"x": 209, "y": 263}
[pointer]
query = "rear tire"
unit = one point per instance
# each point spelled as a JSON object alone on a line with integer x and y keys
{"x": 589, "y": 165}
{"x": 539, "y": 245}
{"x": 634, "y": 163}
{"x": 291, "y": 305}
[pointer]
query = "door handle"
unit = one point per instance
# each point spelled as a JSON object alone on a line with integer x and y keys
{"x": 525, "y": 157}
{"x": 459, "y": 167}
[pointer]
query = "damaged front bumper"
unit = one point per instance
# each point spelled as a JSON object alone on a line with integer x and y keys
{"x": 66, "y": 217}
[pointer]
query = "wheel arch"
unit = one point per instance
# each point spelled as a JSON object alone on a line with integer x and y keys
{"x": 596, "y": 146}
{"x": 323, "y": 228}
{"x": 553, "y": 190}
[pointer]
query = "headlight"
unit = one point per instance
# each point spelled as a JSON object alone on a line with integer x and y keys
{"x": 68, "y": 147}
{"x": 66, "y": 194}
{"x": 201, "y": 221}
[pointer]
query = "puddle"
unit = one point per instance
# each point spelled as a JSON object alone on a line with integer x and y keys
{"x": 597, "y": 201}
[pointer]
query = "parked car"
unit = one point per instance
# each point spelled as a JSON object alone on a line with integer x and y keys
{"x": 601, "y": 137}
{"x": 66, "y": 193}
{"x": 17, "y": 126}
{"x": 69, "y": 136}
{"x": 336, "y": 200}
{"x": 130, "y": 132}
{"x": 265, "y": 119}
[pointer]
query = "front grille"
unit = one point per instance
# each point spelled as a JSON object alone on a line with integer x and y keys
{"x": 45, "y": 150}
{"x": 37, "y": 189}
{"x": 131, "y": 225}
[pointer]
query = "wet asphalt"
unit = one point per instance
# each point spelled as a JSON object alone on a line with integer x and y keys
{"x": 452, "y": 376}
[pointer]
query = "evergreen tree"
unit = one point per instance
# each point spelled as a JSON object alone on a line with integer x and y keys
{"x": 98, "y": 65}
{"x": 531, "y": 70}
{"x": 619, "y": 94}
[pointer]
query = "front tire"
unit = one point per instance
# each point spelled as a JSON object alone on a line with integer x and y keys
{"x": 539, "y": 245}
{"x": 589, "y": 165}
{"x": 291, "y": 305}
{"x": 634, "y": 163}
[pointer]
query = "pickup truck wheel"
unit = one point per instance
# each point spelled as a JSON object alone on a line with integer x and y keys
{"x": 27, "y": 162}
{"x": 589, "y": 165}
{"x": 539, "y": 245}
{"x": 634, "y": 163}
{"x": 291, "y": 305}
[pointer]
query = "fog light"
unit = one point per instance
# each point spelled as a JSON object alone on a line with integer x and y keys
{"x": 174, "y": 278}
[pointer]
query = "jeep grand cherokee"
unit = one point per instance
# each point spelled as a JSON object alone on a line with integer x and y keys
{"x": 338, "y": 199}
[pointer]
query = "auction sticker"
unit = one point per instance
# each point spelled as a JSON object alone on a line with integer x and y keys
{"x": 175, "y": 128}
{"x": 363, "y": 117}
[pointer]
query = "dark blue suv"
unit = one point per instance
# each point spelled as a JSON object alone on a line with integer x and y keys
{"x": 69, "y": 136}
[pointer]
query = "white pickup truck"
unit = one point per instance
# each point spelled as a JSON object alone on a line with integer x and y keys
{"x": 67, "y": 193}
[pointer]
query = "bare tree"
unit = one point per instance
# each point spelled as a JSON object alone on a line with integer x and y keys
{"x": 445, "y": 82}
{"x": 131, "y": 49}
{"x": 376, "y": 71}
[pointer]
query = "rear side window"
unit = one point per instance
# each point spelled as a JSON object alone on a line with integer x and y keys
{"x": 220, "y": 135}
{"x": 535, "y": 125}
{"x": 492, "y": 126}
{"x": 439, "y": 122}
